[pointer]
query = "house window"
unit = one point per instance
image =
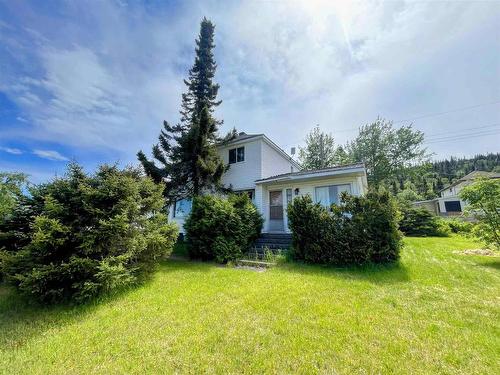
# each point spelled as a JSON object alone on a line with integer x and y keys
{"x": 250, "y": 193}
{"x": 276, "y": 205}
{"x": 182, "y": 207}
{"x": 327, "y": 195}
{"x": 288, "y": 196}
{"x": 236, "y": 155}
{"x": 453, "y": 206}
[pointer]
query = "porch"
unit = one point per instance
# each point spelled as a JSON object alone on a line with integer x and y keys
{"x": 272, "y": 195}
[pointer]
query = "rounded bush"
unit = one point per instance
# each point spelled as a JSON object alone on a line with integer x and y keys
{"x": 459, "y": 226}
{"x": 220, "y": 228}
{"x": 359, "y": 230}
{"x": 420, "y": 222}
{"x": 80, "y": 235}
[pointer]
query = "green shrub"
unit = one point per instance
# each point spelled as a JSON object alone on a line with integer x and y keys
{"x": 359, "y": 230}
{"x": 459, "y": 226}
{"x": 221, "y": 229}
{"x": 483, "y": 199}
{"x": 80, "y": 235}
{"x": 420, "y": 222}
{"x": 11, "y": 186}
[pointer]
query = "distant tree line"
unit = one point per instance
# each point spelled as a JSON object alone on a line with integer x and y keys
{"x": 395, "y": 159}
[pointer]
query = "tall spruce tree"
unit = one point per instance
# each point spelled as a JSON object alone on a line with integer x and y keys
{"x": 186, "y": 158}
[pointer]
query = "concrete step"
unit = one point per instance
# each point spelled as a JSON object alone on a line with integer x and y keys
{"x": 275, "y": 235}
{"x": 262, "y": 246}
{"x": 262, "y": 250}
{"x": 254, "y": 263}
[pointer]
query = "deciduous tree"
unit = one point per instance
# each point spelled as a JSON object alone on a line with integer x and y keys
{"x": 387, "y": 151}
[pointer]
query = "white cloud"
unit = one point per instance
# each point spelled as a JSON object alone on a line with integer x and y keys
{"x": 50, "y": 155}
{"x": 107, "y": 82}
{"x": 10, "y": 150}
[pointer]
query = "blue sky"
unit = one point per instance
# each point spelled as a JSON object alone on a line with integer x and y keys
{"x": 92, "y": 81}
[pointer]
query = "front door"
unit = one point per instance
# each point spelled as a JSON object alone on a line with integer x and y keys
{"x": 276, "y": 211}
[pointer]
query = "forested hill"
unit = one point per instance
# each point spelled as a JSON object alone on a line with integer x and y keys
{"x": 458, "y": 167}
{"x": 426, "y": 182}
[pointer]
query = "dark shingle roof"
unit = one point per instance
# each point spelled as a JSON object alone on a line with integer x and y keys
{"x": 471, "y": 176}
{"x": 314, "y": 171}
{"x": 241, "y": 137}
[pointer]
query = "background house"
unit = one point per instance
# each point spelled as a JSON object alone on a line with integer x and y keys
{"x": 449, "y": 202}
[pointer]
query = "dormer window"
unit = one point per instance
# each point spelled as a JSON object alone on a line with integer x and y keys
{"x": 236, "y": 155}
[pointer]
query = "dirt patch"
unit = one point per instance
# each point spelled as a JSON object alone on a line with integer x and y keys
{"x": 256, "y": 269}
{"x": 484, "y": 252}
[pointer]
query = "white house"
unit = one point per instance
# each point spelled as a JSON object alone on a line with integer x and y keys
{"x": 259, "y": 168}
{"x": 449, "y": 202}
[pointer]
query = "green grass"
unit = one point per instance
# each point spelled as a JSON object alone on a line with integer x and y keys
{"x": 436, "y": 312}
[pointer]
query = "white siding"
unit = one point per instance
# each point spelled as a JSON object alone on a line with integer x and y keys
{"x": 451, "y": 198}
{"x": 178, "y": 220}
{"x": 262, "y": 161}
{"x": 273, "y": 163}
{"x": 452, "y": 192}
{"x": 242, "y": 175}
{"x": 305, "y": 188}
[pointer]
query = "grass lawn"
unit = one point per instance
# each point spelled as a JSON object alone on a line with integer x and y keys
{"x": 436, "y": 312}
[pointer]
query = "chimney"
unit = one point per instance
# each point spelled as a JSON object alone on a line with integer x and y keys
{"x": 292, "y": 151}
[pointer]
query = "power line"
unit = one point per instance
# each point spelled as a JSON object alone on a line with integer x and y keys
{"x": 478, "y": 127}
{"x": 446, "y": 112}
{"x": 457, "y": 133}
{"x": 415, "y": 118}
{"x": 462, "y": 137}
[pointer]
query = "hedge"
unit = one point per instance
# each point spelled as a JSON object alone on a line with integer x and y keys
{"x": 359, "y": 230}
{"x": 221, "y": 228}
{"x": 420, "y": 222}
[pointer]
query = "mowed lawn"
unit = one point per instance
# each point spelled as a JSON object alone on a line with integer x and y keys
{"x": 436, "y": 312}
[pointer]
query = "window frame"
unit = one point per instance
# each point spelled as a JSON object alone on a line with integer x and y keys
{"x": 175, "y": 214}
{"x": 249, "y": 192}
{"x": 329, "y": 198}
{"x": 453, "y": 204}
{"x": 239, "y": 155}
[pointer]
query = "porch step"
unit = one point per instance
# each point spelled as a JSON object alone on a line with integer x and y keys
{"x": 254, "y": 263}
{"x": 274, "y": 241}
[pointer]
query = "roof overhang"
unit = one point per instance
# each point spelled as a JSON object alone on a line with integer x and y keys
{"x": 314, "y": 175}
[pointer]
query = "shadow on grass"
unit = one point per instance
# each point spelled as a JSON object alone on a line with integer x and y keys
{"x": 22, "y": 319}
{"x": 491, "y": 264}
{"x": 373, "y": 273}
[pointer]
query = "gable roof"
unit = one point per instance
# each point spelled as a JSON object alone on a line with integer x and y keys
{"x": 471, "y": 176}
{"x": 243, "y": 137}
{"x": 338, "y": 169}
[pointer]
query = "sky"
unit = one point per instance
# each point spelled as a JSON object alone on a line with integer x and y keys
{"x": 92, "y": 81}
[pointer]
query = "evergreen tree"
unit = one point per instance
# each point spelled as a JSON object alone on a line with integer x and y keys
{"x": 187, "y": 152}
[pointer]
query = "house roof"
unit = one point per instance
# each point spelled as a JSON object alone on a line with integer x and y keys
{"x": 345, "y": 168}
{"x": 471, "y": 176}
{"x": 242, "y": 136}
